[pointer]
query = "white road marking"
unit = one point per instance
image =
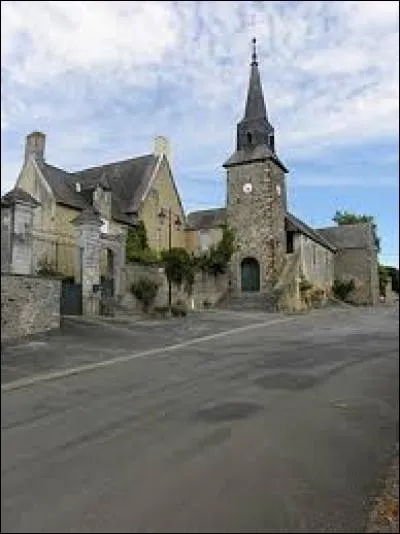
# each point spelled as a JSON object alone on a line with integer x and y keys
{"x": 63, "y": 373}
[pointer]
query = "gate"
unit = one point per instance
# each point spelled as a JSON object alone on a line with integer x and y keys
{"x": 107, "y": 287}
{"x": 107, "y": 294}
{"x": 71, "y": 298}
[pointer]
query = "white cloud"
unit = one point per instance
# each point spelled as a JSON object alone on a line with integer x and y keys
{"x": 101, "y": 78}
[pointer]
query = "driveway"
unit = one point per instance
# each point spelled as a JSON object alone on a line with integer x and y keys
{"x": 222, "y": 422}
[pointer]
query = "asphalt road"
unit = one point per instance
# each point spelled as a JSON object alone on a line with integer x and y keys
{"x": 219, "y": 422}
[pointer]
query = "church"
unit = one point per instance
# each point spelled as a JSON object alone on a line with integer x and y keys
{"x": 275, "y": 250}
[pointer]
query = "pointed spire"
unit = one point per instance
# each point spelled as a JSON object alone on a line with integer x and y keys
{"x": 255, "y": 105}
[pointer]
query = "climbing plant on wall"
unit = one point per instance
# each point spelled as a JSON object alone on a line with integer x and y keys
{"x": 137, "y": 247}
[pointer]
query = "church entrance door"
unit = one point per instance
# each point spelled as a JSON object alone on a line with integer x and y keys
{"x": 250, "y": 274}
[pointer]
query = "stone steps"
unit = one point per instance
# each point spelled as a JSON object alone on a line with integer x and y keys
{"x": 247, "y": 302}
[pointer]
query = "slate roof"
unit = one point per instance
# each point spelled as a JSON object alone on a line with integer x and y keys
{"x": 349, "y": 235}
{"x": 295, "y": 224}
{"x": 127, "y": 180}
{"x": 87, "y": 215}
{"x": 18, "y": 196}
{"x": 258, "y": 153}
{"x": 255, "y": 104}
{"x": 206, "y": 219}
{"x": 213, "y": 218}
{"x": 63, "y": 185}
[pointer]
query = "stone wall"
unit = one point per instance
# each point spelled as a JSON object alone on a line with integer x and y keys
{"x": 316, "y": 262}
{"x": 196, "y": 238}
{"x": 206, "y": 287}
{"x": 356, "y": 264}
{"x": 28, "y": 304}
{"x": 6, "y": 233}
{"x": 356, "y": 258}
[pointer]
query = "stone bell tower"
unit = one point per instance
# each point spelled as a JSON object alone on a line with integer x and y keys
{"x": 256, "y": 196}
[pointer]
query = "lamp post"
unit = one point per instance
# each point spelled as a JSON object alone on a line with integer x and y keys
{"x": 177, "y": 223}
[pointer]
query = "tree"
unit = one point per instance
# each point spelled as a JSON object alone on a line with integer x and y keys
{"x": 383, "y": 279}
{"x": 216, "y": 260}
{"x": 393, "y": 272}
{"x": 179, "y": 267}
{"x": 344, "y": 217}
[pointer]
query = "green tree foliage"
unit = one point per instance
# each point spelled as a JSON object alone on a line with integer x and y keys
{"x": 393, "y": 272}
{"x": 342, "y": 288}
{"x": 217, "y": 258}
{"x": 137, "y": 247}
{"x": 383, "y": 279}
{"x": 179, "y": 267}
{"x": 345, "y": 217}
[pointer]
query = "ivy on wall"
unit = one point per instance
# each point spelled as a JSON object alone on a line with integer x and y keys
{"x": 137, "y": 246}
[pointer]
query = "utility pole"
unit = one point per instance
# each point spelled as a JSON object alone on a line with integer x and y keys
{"x": 177, "y": 223}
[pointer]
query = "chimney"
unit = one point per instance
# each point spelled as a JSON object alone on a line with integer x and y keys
{"x": 162, "y": 147}
{"x": 35, "y": 144}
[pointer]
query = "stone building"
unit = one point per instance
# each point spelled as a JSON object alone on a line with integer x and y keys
{"x": 123, "y": 192}
{"x": 274, "y": 248}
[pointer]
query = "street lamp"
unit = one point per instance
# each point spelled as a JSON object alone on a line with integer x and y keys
{"x": 177, "y": 223}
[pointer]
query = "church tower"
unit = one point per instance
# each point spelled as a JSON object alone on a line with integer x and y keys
{"x": 256, "y": 195}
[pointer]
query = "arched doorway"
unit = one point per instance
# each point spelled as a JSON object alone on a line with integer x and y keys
{"x": 250, "y": 275}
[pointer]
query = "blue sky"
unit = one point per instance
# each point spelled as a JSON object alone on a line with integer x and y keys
{"x": 101, "y": 79}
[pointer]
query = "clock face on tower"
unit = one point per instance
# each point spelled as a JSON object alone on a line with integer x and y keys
{"x": 247, "y": 188}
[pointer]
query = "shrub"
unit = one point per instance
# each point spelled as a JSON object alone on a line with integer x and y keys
{"x": 179, "y": 309}
{"x": 342, "y": 288}
{"x": 317, "y": 296}
{"x": 206, "y": 304}
{"x": 161, "y": 311}
{"x": 145, "y": 290}
{"x": 304, "y": 285}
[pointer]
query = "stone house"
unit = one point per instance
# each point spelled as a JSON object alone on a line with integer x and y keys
{"x": 123, "y": 192}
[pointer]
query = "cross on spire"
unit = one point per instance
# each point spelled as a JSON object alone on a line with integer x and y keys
{"x": 254, "y": 61}
{"x": 255, "y": 105}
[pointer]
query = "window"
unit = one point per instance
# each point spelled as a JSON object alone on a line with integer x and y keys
{"x": 249, "y": 138}
{"x": 314, "y": 253}
{"x": 204, "y": 240}
{"x": 272, "y": 142}
{"x": 289, "y": 242}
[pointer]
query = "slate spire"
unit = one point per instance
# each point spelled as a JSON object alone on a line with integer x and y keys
{"x": 255, "y": 129}
{"x": 255, "y": 105}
